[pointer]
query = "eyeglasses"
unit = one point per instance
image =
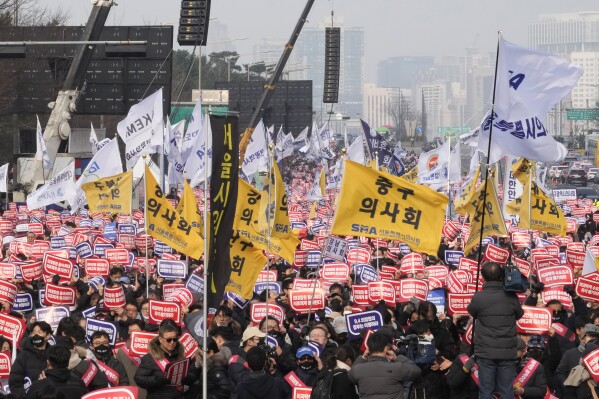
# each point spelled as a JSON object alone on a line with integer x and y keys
{"x": 169, "y": 340}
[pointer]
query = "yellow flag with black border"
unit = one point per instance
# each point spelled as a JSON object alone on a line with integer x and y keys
{"x": 380, "y": 205}
{"x": 165, "y": 224}
{"x": 110, "y": 194}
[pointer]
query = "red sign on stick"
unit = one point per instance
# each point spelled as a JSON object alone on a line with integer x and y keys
{"x": 587, "y": 289}
{"x": 8, "y": 292}
{"x": 60, "y": 295}
{"x": 495, "y": 254}
{"x": 381, "y": 290}
{"x": 140, "y": 341}
{"x": 556, "y": 276}
{"x": 412, "y": 287}
{"x": 301, "y": 301}
{"x": 258, "y": 312}
{"x": 189, "y": 343}
{"x": 358, "y": 255}
{"x": 558, "y": 293}
{"x": 31, "y": 271}
{"x": 575, "y": 258}
{"x": 11, "y": 327}
{"x": 437, "y": 271}
{"x": 360, "y": 294}
{"x": 117, "y": 256}
{"x": 458, "y": 303}
{"x": 337, "y": 271}
{"x": 160, "y": 310}
{"x": 535, "y": 320}
{"x": 56, "y": 265}
{"x": 114, "y": 297}
{"x": 97, "y": 267}
{"x": 591, "y": 363}
{"x": 8, "y": 271}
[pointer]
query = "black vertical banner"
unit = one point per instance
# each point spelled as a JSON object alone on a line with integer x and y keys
{"x": 223, "y": 200}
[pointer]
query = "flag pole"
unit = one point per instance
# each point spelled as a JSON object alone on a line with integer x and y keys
{"x": 207, "y": 239}
{"x": 272, "y": 180}
{"x": 146, "y": 232}
{"x": 378, "y": 266}
{"x": 482, "y": 223}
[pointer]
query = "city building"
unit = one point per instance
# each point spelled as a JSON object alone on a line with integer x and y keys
{"x": 404, "y": 72}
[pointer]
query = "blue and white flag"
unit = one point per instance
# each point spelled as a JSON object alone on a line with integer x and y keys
{"x": 324, "y": 142}
{"x": 301, "y": 140}
{"x": 529, "y": 83}
{"x": 377, "y": 145}
{"x": 256, "y": 155}
{"x": 312, "y": 146}
{"x": 433, "y": 165}
{"x": 200, "y": 157}
{"x": 41, "y": 152}
{"x": 195, "y": 130}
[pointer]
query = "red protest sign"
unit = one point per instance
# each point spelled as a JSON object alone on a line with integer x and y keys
{"x": 535, "y": 320}
{"x": 523, "y": 266}
{"x": 435, "y": 283}
{"x": 337, "y": 271}
{"x": 31, "y": 271}
{"x": 555, "y": 276}
{"x": 412, "y": 287}
{"x": 302, "y": 301}
{"x": 8, "y": 271}
{"x": 591, "y": 363}
{"x": 575, "y": 258}
{"x": 437, "y": 271}
{"x": 124, "y": 392}
{"x": 267, "y": 275}
{"x": 5, "y": 365}
{"x": 258, "y": 312}
{"x": 57, "y": 265}
{"x": 97, "y": 267}
{"x": 495, "y": 254}
{"x": 520, "y": 239}
{"x": 552, "y": 250}
{"x": 543, "y": 261}
{"x": 358, "y": 255}
{"x": 300, "y": 258}
{"x": 160, "y": 310}
{"x": 458, "y": 303}
{"x": 309, "y": 245}
{"x": 170, "y": 288}
{"x": 8, "y": 292}
{"x": 11, "y": 327}
{"x": 381, "y": 290}
{"x": 549, "y": 294}
{"x": 587, "y": 289}
{"x": 114, "y": 297}
{"x": 301, "y": 283}
{"x": 5, "y": 226}
{"x": 469, "y": 265}
{"x": 412, "y": 263}
{"x": 451, "y": 230}
{"x": 60, "y": 295}
{"x": 189, "y": 343}
{"x": 360, "y": 294}
{"x": 117, "y": 256}
{"x": 575, "y": 246}
{"x": 301, "y": 393}
{"x": 182, "y": 296}
{"x": 140, "y": 341}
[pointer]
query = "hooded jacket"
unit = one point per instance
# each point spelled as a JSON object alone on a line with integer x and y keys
{"x": 259, "y": 384}
{"x": 150, "y": 376}
{"x": 219, "y": 386}
{"x": 27, "y": 367}
{"x": 62, "y": 380}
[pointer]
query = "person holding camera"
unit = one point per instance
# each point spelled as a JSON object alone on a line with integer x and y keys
{"x": 259, "y": 383}
{"x": 238, "y": 369}
{"x": 495, "y": 312}
{"x": 379, "y": 373}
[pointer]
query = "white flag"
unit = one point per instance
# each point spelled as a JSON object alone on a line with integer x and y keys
{"x": 142, "y": 130}
{"x": 529, "y": 83}
{"x": 315, "y": 193}
{"x": 175, "y": 162}
{"x": 4, "y": 178}
{"x": 590, "y": 264}
{"x": 324, "y": 142}
{"x": 512, "y": 188}
{"x": 433, "y": 165}
{"x": 41, "y": 152}
{"x": 455, "y": 163}
{"x": 302, "y": 139}
{"x": 334, "y": 178}
{"x": 200, "y": 156}
{"x": 106, "y": 162}
{"x": 93, "y": 139}
{"x": 59, "y": 188}
{"x": 256, "y": 155}
{"x": 195, "y": 130}
{"x": 355, "y": 152}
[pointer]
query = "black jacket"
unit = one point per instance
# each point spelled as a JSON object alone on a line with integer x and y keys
{"x": 62, "y": 380}
{"x": 27, "y": 367}
{"x": 150, "y": 376}
{"x": 536, "y": 387}
{"x": 219, "y": 386}
{"x": 119, "y": 368}
{"x": 496, "y": 312}
{"x": 461, "y": 384}
{"x": 570, "y": 359}
{"x": 259, "y": 384}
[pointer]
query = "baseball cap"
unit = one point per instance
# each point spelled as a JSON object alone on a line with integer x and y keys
{"x": 304, "y": 351}
{"x": 536, "y": 341}
{"x": 252, "y": 332}
{"x": 339, "y": 325}
{"x": 591, "y": 329}
{"x": 334, "y": 315}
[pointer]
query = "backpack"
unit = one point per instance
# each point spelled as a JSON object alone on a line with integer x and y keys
{"x": 323, "y": 389}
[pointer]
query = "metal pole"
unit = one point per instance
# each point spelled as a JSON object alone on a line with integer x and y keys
{"x": 206, "y": 257}
{"x": 71, "y": 42}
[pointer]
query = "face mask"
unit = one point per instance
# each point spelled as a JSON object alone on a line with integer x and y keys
{"x": 306, "y": 366}
{"x": 101, "y": 351}
{"x": 37, "y": 340}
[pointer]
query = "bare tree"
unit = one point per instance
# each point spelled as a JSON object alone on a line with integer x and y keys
{"x": 400, "y": 110}
{"x": 30, "y": 13}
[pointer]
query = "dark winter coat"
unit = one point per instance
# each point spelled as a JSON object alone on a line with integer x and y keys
{"x": 119, "y": 368}
{"x": 536, "y": 387}
{"x": 99, "y": 381}
{"x": 378, "y": 378}
{"x": 570, "y": 359}
{"x": 219, "y": 386}
{"x": 150, "y": 376}
{"x": 62, "y": 380}
{"x": 260, "y": 385}
{"x": 461, "y": 384}
{"x": 496, "y": 312}
{"x": 27, "y": 367}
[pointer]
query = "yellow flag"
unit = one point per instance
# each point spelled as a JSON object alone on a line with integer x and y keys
{"x": 513, "y": 207}
{"x": 166, "y": 225}
{"x": 323, "y": 182}
{"x": 281, "y": 224}
{"x": 377, "y": 204}
{"x": 539, "y": 212}
{"x": 246, "y": 264}
{"x": 463, "y": 202}
{"x": 188, "y": 209}
{"x": 412, "y": 175}
{"x": 522, "y": 169}
{"x": 247, "y": 221}
{"x": 312, "y": 213}
{"x": 110, "y": 194}
{"x": 494, "y": 222}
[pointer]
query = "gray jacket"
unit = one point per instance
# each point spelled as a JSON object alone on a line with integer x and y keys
{"x": 377, "y": 378}
{"x": 496, "y": 312}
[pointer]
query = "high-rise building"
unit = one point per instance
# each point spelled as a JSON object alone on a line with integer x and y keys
{"x": 309, "y": 56}
{"x": 433, "y": 98}
{"x": 378, "y": 103}
{"x": 405, "y": 72}
{"x": 565, "y": 33}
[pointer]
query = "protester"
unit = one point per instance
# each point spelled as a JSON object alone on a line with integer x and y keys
{"x": 495, "y": 312}
{"x": 259, "y": 384}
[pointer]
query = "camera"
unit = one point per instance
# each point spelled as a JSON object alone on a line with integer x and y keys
{"x": 420, "y": 351}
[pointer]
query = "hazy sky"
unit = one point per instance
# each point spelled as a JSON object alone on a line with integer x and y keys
{"x": 392, "y": 27}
